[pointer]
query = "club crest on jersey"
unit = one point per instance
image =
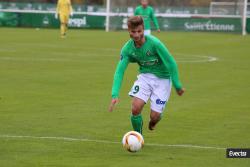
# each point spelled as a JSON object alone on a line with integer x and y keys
{"x": 133, "y": 54}
{"x": 121, "y": 57}
{"x": 148, "y": 53}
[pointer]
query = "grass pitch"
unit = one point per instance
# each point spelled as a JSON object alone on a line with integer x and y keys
{"x": 54, "y": 97}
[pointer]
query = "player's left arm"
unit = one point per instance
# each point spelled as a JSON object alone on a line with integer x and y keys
{"x": 154, "y": 19}
{"x": 70, "y": 8}
{"x": 170, "y": 64}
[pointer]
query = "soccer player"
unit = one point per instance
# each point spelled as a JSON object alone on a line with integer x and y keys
{"x": 64, "y": 9}
{"x": 147, "y": 12}
{"x": 157, "y": 71}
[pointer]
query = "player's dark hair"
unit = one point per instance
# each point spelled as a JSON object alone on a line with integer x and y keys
{"x": 135, "y": 21}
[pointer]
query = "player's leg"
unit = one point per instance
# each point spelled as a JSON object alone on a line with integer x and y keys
{"x": 136, "y": 117}
{"x": 66, "y": 23}
{"x": 140, "y": 93}
{"x": 159, "y": 98}
{"x": 155, "y": 117}
{"x": 63, "y": 25}
{"x": 62, "y": 29}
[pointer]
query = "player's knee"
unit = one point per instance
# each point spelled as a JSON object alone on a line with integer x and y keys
{"x": 137, "y": 106}
{"x": 136, "y": 110}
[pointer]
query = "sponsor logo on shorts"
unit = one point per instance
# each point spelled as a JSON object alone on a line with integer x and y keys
{"x": 160, "y": 102}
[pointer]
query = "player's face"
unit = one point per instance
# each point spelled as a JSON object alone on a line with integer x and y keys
{"x": 137, "y": 33}
{"x": 144, "y": 3}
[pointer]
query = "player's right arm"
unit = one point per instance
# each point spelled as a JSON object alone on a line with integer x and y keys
{"x": 153, "y": 17}
{"x": 57, "y": 9}
{"x": 118, "y": 77}
{"x": 117, "y": 82}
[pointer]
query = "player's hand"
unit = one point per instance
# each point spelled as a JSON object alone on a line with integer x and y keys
{"x": 56, "y": 16}
{"x": 180, "y": 91}
{"x": 158, "y": 30}
{"x": 71, "y": 14}
{"x": 112, "y": 104}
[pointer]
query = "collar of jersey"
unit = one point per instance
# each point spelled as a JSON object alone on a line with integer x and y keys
{"x": 146, "y": 39}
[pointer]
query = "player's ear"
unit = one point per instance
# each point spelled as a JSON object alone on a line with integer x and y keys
{"x": 129, "y": 29}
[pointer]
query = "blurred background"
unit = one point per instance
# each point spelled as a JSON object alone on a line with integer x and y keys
{"x": 173, "y": 15}
{"x": 129, "y": 2}
{"x": 133, "y": 2}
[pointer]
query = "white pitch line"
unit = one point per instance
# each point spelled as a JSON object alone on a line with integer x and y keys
{"x": 36, "y": 59}
{"x": 197, "y": 59}
{"x": 107, "y": 141}
{"x": 186, "y": 146}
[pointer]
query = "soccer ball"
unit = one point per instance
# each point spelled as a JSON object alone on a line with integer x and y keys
{"x": 132, "y": 141}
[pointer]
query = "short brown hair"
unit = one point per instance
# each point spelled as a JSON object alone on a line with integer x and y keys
{"x": 135, "y": 21}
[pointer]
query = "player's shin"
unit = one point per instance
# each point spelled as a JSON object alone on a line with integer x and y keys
{"x": 155, "y": 117}
{"x": 66, "y": 28}
{"x": 137, "y": 122}
{"x": 63, "y": 29}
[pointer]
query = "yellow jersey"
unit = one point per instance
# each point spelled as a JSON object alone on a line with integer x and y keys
{"x": 64, "y": 7}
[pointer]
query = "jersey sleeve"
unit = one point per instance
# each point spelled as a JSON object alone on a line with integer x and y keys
{"x": 154, "y": 19}
{"x": 136, "y": 11}
{"x": 170, "y": 64}
{"x": 119, "y": 73}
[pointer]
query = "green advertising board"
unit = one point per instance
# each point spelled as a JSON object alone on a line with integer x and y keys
{"x": 9, "y": 19}
{"x": 248, "y": 25}
{"x": 47, "y": 20}
{"x": 37, "y": 20}
{"x": 40, "y": 20}
{"x": 201, "y": 24}
{"x": 188, "y": 24}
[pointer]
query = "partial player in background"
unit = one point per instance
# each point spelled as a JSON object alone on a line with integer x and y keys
{"x": 64, "y": 10}
{"x": 147, "y": 12}
{"x": 157, "y": 71}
